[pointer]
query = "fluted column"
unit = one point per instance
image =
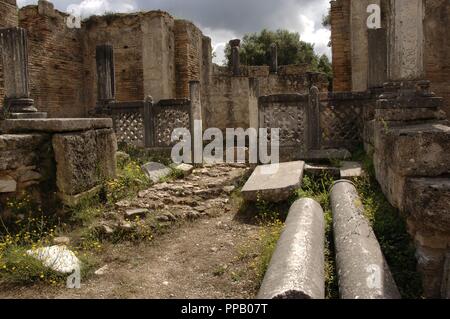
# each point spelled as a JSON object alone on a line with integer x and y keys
{"x": 13, "y": 42}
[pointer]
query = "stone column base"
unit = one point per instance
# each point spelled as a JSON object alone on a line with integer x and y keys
{"x": 20, "y": 105}
{"x": 21, "y": 116}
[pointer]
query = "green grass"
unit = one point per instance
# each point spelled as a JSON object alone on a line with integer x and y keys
{"x": 387, "y": 222}
{"x": 31, "y": 228}
{"x": 318, "y": 189}
{"x": 390, "y": 228}
{"x": 258, "y": 255}
{"x": 17, "y": 267}
{"x": 142, "y": 156}
{"x": 269, "y": 237}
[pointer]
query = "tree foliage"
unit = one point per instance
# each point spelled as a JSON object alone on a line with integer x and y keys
{"x": 255, "y": 50}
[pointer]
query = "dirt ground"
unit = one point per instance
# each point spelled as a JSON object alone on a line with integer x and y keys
{"x": 194, "y": 259}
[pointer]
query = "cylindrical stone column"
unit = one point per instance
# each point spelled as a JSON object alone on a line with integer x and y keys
{"x": 362, "y": 270}
{"x": 273, "y": 58}
{"x": 196, "y": 121}
{"x": 313, "y": 124}
{"x": 14, "y": 49}
{"x": 253, "y": 84}
{"x": 406, "y": 40}
{"x": 104, "y": 57}
{"x": 235, "y": 58}
{"x": 296, "y": 270}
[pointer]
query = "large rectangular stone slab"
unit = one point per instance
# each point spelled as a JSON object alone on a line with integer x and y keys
{"x": 415, "y": 150}
{"x": 350, "y": 170}
{"x": 7, "y": 184}
{"x": 84, "y": 159}
{"x": 274, "y": 182}
{"x": 53, "y": 125}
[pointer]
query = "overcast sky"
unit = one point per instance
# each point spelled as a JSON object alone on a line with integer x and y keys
{"x": 223, "y": 20}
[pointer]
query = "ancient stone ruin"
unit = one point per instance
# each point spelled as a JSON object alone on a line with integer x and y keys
{"x": 70, "y": 95}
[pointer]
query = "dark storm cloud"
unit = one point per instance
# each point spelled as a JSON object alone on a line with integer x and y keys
{"x": 242, "y": 16}
{"x": 224, "y": 19}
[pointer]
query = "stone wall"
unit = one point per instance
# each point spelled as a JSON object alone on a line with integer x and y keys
{"x": 341, "y": 45}
{"x": 228, "y": 101}
{"x": 154, "y": 54}
{"x": 349, "y": 44}
{"x": 128, "y": 60}
{"x": 437, "y": 48}
{"x": 359, "y": 43}
{"x": 8, "y": 18}
{"x": 55, "y": 62}
{"x": 158, "y": 55}
{"x": 412, "y": 167}
{"x": 55, "y": 160}
{"x": 62, "y": 60}
{"x": 343, "y": 118}
{"x": 188, "y": 56}
{"x": 228, "y": 96}
{"x": 26, "y": 166}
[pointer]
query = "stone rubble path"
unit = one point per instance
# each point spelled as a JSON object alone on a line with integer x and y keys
{"x": 197, "y": 259}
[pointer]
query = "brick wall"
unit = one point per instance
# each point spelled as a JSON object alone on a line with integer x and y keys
{"x": 188, "y": 56}
{"x": 8, "y": 18}
{"x": 124, "y": 33}
{"x": 55, "y": 62}
{"x": 437, "y": 48}
{"x": 341, "y": 45}
{"x": 8, "y": 13}
{"x": 229, "y": 97}
{"x": 158, "y": 55}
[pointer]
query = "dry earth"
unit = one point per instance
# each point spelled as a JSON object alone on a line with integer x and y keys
{"x": 196, "y": 258}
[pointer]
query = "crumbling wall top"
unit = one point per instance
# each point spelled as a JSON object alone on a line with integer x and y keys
{"x": 124, "y": 17}
{"x": 44, "y": 8}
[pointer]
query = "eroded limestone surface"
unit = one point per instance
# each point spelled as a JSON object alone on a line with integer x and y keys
{"x": 274, "y": 182}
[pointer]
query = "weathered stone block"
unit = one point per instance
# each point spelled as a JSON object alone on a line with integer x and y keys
{"x": 410, "y": 103}
{"x": 186, "y": 169}
{"x": 390, "y": 181}
{"x": 156, "y": 171}
{"x": 7, "y": 184}
{"x": 351, "y": 170}
{"x": 274, "y": 182}
{"x": 430, "y": 263}
{"x": 18, "y": 151}
{"x": 84, "y": 159}
{"x": 412, "y": 114}
{"x": 415, "y": 150}
{"x": 427, "y": 200}
{"x": 54, "y": 125}
{"x": 21, "y": 141}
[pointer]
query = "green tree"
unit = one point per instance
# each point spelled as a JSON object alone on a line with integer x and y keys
{"x": 324, "y": 66}
{"x": 326, "y": 20}
{"x": 255, "y": 50}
